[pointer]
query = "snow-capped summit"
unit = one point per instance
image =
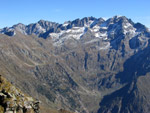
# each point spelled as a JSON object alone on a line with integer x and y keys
{"x": 96, "y": 29}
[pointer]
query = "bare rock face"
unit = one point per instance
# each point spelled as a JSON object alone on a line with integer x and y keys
{"x": 87, "y": 65}
{"x": 12, "y": 100}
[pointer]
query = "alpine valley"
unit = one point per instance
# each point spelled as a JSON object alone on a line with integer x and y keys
{"x": 88, "y": 65}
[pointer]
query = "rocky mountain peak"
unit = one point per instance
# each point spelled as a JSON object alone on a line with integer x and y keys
{"x": 88, "y": 19}
{"x": 19, "y": 25}
{"x": 81, "y": 64}
{"x": 42, "y": 21}
{"x": 47, "y": 24}
{"x": 118, "y": 20}
{"x": 8, "y": 31}
{"x": 140, "y": 27}
{"x": 109, "y": 29}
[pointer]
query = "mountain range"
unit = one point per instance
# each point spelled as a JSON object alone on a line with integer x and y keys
{"x": 88, "y": 65}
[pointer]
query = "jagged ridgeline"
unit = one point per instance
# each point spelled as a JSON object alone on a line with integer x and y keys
{"x": 87, "y": 65}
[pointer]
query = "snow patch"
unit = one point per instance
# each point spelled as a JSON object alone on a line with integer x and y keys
{"x": 107, "y": 46}
{"x": 74, "y": 33}
{"x": 65, "y": 24}
{"x": 91, "y": 41}
{"x": 97, "y": 35}
{"x": 118, "y": 16}
{"x": 89, "y": 23}
{"x": 40, "y": 29}
{"x": 100, "y": 35}
{"x": 126, "y": 25}
{"x": 96, "y": 28}
{"x": 128, "y": 28}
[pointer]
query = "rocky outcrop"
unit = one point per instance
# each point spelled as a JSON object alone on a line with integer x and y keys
{"x": 12, "y": 100}
{"x": 80, "y": 64}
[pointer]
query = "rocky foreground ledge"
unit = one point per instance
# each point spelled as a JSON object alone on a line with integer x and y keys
{"x": 12, "y": 100}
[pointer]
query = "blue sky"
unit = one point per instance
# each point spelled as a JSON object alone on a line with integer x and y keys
{"x": 30, "y": 11}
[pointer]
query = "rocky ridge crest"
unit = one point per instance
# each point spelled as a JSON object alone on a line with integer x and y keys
{"x": 12, "y": 100}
